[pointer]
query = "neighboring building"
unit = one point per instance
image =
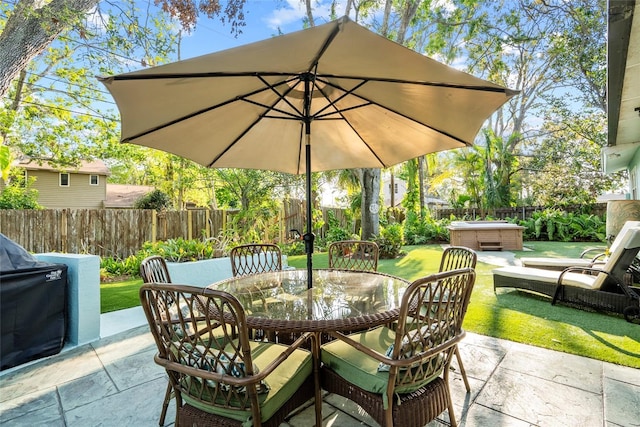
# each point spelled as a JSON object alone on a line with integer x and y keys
{"x": 400, "y": 189}
{"x": 83, "y": 187}
{"x": 122, "y": 196}
{"x": 622, "y": 150}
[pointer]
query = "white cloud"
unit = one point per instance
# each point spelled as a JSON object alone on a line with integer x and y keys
{"x": 447, "y": 6}
{"x": 294, "y": 11}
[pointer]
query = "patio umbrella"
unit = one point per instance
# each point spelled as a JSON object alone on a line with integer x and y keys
{"x": 366, "y": 101}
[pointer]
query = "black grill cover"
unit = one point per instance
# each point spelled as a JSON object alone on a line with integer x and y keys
{"x": 32, "y": 305}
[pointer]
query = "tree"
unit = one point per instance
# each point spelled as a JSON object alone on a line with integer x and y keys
{"x": 32, "y": 26}
{"x": 553, "y": 51}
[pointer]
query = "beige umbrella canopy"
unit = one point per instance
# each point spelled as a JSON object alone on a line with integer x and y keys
{"x": 335, "y": 96}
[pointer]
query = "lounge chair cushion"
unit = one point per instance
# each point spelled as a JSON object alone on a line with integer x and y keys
{"x": 283, "y": 381}
{"x": 585, "y": 281}
{"x": 559, "y": 263}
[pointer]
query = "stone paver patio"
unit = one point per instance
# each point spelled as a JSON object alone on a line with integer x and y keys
{"x": 114, "y": 382}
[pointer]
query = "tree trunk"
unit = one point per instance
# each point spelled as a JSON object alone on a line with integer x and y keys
{"x": 370, "y": 181}
{"x": 30, "y": 29}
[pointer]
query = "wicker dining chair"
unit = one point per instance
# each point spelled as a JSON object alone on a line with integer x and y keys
{"x": 400, "y": 377}
{"x": 353, "y": 255}
{"x": 225, "y": 380}
{"x": 255, "y": 258}
{"x": 455, "y": 257}
{"x": 153, "y": 269}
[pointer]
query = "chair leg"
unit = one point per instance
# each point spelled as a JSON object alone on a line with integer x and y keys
{"x": 462, "y": 371}
{"x": 165, "y": 404}
{"x": 452, "y": 414}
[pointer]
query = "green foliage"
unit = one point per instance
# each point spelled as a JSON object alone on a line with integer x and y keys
{"x": 336, "y": 232}
{"x": 129, "y": 266}
{"x": 558, "y": 225}
{"x": 15, "y": 196}
{"x": 172, "y": 250}
{"x": 389, "y": 241}
{"x": 427, "y": 230}
{"x": 293, "y": 248}
{"x": 392, "y": 215}
{"x": 154, "y": 200}
{"x": 183, "y": 250}
{"x": 5, "y": 161}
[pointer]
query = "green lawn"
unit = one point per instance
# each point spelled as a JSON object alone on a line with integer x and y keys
{"x": 509, "y": 314}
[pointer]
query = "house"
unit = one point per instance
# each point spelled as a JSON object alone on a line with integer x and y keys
{"x": 400, "y": 189}
{"x": 83, "y": 187}
{"x": 622, "y": 150}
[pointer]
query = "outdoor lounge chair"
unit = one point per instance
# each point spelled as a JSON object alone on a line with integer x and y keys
{"x": 588, "y": 258}
{"x": 255, "y": 258}
{"x": 224, "y": 380}
{"x": 395, "y": 375}
{"x": 605, "y": 288}
{"x": 353, "y": 255}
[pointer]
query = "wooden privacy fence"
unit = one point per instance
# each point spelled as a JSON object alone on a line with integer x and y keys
{"x": 122, "y": 232}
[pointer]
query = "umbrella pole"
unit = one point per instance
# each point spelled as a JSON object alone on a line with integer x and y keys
{"x": 309, "y": 236}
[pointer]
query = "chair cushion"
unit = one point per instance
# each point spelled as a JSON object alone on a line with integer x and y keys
{"x": 283, "y": 382}
{"x": 360, "y": 369}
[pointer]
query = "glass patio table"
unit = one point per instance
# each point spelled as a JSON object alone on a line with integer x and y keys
{"x": 339, "y": 300}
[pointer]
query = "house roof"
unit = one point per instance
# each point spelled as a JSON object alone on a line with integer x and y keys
{"x": 623, "y": 84}
{"x": 89, "y": 167}
{"x": 124, "y": 196}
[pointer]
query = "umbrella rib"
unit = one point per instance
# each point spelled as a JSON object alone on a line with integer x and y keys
{"x": 368, "y": 102}
{"x": 346, "y": 93}
{"x": 267, "y": 109}
{"x": 160, "y": 76}
{"x": 420, "y": 83}
{"x": 213, "y": 107}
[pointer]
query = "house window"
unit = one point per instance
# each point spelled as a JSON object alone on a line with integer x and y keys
{"x": 93, "y": 180}
{"x": 64, "y": 179}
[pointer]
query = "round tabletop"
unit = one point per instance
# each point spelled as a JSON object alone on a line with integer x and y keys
{"x": 339, "y": 300}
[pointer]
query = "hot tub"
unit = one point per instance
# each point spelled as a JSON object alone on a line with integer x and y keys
{"x": 486, "y": 235}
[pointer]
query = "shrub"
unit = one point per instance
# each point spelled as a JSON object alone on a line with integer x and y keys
{"x": 154, "y": 200}
{"x": 427, "y": 230}
{"x": 17, "y": 197}
{"x": 129, "y": 266}
{"x": 389, "y": 241}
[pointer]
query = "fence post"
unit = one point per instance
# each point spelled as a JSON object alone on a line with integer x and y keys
{"x": 207, "y": 217}
{"x": 189, "y": 225}
{"x": 63, "y": 230}
{"x": 154, "y": 225}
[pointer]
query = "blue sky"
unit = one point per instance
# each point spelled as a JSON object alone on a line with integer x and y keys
{"x": 263, "y": 18}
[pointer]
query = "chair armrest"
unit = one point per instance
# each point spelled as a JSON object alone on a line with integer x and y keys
{"x": 600, "y": 251}
{"x": 583, "y": 270}
{"x": 399, "y": 362}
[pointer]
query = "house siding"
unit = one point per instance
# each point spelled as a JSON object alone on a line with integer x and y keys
{"x": 78, "y": 195}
